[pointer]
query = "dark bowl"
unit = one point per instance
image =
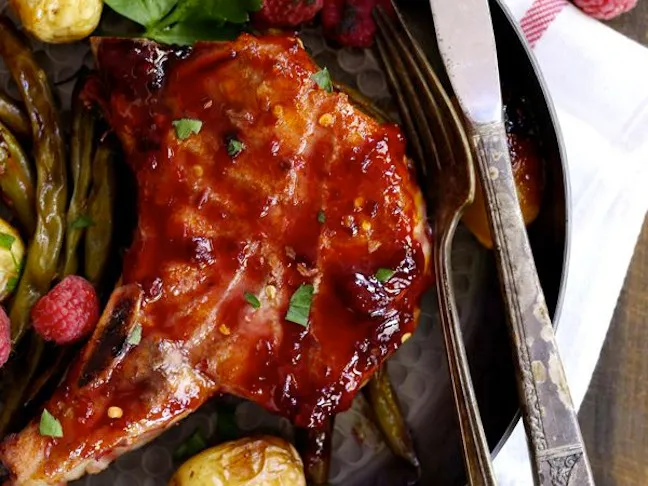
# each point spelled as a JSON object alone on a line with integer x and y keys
{"x": 488, "y": 346}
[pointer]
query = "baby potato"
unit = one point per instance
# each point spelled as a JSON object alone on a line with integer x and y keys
{"x": 59, "y": 21}
{"x": 12, "y": 252}
{"x": 252, "y": 461}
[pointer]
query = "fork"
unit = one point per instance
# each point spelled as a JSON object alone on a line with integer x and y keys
{"x": 440, "y": 145}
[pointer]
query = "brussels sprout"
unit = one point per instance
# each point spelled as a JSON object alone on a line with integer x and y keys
{"x": 252, "y": 461}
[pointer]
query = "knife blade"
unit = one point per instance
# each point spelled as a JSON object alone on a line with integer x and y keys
{"x": 466, "y": 42}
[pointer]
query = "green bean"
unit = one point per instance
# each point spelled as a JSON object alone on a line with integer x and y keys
{"x": 100, "y": 212}
{"x": 12, "y": 115}
{"x": 21, "y": 373}
{"x": 389, "y": 418}
{"x": 315, "y": 449}
{"x": 51, "y": 189}
{"x": 81, "y": 142}
{"x": 17, "y": 180}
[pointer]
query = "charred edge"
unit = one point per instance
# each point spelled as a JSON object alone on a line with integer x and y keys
{"x": 5, "y": 473}
{"x": 112, "y": 341}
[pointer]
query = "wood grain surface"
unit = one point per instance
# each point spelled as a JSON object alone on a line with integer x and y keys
{"x": 614, "y": 415}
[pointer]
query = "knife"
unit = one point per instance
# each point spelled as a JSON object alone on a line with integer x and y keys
{"x": 466, "y": 41}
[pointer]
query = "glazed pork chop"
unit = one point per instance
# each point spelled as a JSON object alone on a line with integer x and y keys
{"x": 280, "y": 255}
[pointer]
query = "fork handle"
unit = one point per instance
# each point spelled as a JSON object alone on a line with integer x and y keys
{"x": 476, "y": 453}
{"x": 558, "y": 455}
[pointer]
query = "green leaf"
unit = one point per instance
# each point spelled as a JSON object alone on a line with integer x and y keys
{"x": 81, "y": 222}
{"x": 192, "y": 446}
{"x": 321, "y": 217}
{"x": 186, "y": 33}
{"x": 144, "y": 12}
{"x": 135, "y": 336}
{"x": 49, "y": 426}
{"x": 235, "y": 147}
{"x": 185, "y": 127}
{"x": 6, "y": 240}
{"x": 384, "y": 274}
{"x": 323, "y": 80}
{"x": 252, "y": 300}
{"x": 300, "y": 304}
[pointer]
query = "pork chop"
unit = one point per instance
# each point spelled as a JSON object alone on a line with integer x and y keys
{"x": 280, "y": 255}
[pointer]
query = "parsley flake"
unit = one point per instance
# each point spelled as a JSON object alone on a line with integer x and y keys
{"x": 252, "y": 300}
{"x": 81, "y": 222}
{"x": 49, "y": 425}
{"x": 12, "y": 282}
{"x": 135, "y": 335}
{"x": 384, "y": 274}
{"x": 7, "y": 240}
{"x": 300, "y": 304}
{"x": 321, "y": 217}
{"x": 235, "y": 147}
{"x": 186, "y": 127}
{"x": 192, "y": 446}
{"x": 323, "y": 80}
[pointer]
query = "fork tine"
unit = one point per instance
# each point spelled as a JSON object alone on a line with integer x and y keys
{"x": 407, "y": 96}
{"x": 408, "y": 122}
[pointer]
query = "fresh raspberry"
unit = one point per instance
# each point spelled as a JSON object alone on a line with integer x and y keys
{"x": 350, "y": 22}
{"x": 5, "y": 337}
{"x": 287, "y": 13}
{"x": 68, "y": 312}
{"x": 605, "y": 9}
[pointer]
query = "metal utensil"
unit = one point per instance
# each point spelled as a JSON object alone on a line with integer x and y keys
{"x": 442, "y": 149}
{"x": 467, "y": 44}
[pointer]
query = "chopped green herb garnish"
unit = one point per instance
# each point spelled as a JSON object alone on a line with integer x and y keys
{"x": 323, "y": 80}
{"x": 192, "y": 446}
{"x": 252, "y": 300}
{"x": 49, "y": 426}
{"x": 11, "y": 284}
{"x": 384, "y": 274}
{"x": 81, "y": 222}
{"x": 235, "y": 147}
{"x": 321, "y": 217}
{"x": 300, "y": 304}
{"x": 186, "y": 127}
{"x": 135, "y": 335}
{"x": 6, "y": 240}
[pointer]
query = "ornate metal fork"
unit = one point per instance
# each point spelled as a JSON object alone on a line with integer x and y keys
{"x": 439, "y": 142}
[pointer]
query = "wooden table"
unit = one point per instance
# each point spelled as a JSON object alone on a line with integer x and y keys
{"x": 614, "y": 416}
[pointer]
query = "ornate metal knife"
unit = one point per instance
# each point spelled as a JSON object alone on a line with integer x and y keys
{"x": 467, "y": 44}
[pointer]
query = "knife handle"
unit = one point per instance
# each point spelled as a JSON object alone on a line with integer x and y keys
{"x": 558, "y": 455}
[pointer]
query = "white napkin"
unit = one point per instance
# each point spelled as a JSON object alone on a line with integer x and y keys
{"x": 598, "y": 80}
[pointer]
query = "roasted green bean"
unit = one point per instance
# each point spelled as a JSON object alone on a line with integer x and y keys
{"x": 17, "y": 180}
{"x": 51, "y": 190}
{"x": 388, "y": 416}
{"x": 315, "y": 448}
{"x": 21, "y": 373}
{"x": 100, "y": 212}
{"x": 81, "y": 144}
{"x": 12, "y": 115}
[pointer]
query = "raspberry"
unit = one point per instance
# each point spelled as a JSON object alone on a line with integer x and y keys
{"x": 350, "y": 22}
{"x": 287, "y": 13}
{"x": 605, "y": 9}
{"x": 5, "y": 337}
{"x": 68, "y": 312}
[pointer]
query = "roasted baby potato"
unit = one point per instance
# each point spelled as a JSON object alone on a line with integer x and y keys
{"x": 252, "y": 461}
{"x": 12, "y": 252}
{"x": 59, "y": 21}
{"x": 529, "y": 180}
